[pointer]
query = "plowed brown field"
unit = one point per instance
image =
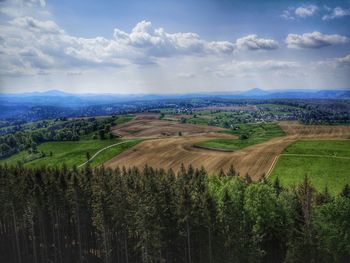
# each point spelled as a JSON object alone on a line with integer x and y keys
{"x": 149, "y": 126}
{"x": 254, "y": 160}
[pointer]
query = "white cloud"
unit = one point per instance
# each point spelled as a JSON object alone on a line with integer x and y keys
{"x": 336, "y": 62}
{"x": 158, "y": 43}
{"x": 52, "y": 48}
{"x": 148, "y": 58}
{"x": 42, "y": 3}
{"x": 252, "y": 67}
{"x": 336, "y": 13}
{"x": 344, "y": 60}
{"x": 258, "y": 65}
{"x": 314, "y": 40}
{"x": 36, "y": 58}
{"x": 16, "y": 8}
{"x": 224, "y": 47}
{"x": 292, "y": 13}
{"x": 306, "y": 11}
{"x": 288, "y": 14}
{"x": 31, "y": 24}
{"x": 252, "y": 42}
{"x": 143, "y": 45}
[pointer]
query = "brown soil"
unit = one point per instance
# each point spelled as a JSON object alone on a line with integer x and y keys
{"x": 149, "y": 126}
{"x": 255, "y": 160}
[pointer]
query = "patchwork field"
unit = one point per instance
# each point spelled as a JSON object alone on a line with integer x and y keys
{"x": 150, "y": 126}
{"x": 256, "y": 160}
{"x": 325, "y": 162}
{"x": 171, "y": 143}
{"x": 255, "y": 134}
{"x": 318, "y": 131}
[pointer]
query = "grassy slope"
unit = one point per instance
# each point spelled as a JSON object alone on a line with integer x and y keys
{"x": 258, "y": 133}
{"x": 73, "y": 152}
{"x": 316, "y": 147}
{"x": 123, "y": 119}
{"x": 322, "y": 171}
{"x": 113, "y": 151}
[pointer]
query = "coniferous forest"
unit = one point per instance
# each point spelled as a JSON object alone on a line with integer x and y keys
{"x": 103, "y": 215}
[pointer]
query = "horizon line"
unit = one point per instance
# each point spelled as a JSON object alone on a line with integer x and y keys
{"x": 174, "y": 94}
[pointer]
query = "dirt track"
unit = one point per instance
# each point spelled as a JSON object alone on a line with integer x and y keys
{"x": 254, "y": 160}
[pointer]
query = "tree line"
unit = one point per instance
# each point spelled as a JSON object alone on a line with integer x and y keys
{"x": 130, "y": 215}
{"x": 63, "y": 130}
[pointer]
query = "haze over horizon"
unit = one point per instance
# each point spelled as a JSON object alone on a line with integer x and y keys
{"x": 173, "y": 46}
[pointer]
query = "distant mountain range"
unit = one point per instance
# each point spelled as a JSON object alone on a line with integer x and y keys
{"x": 59, "y": 98}
{"x": 55, "y": 103}
{"x": 250, "y": 94}
{"x": 296, "y": 94}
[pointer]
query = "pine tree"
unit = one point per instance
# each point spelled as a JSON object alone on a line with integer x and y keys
{"x": 302, "y": 245}
{"x": 222, "y": 173}
{"x": 346, "y": 191}
{"x": 248, "y": 179}
{"x": 324, "y": 197}
{"x": 184, "y": 210}
{"x": 231, "y": 172}
{"x": 277, "y": 186}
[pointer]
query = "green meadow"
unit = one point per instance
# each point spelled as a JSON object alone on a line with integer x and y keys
{"x": 70, "y": 153}
{"x": 255, "y": 133}
{"x": 325, "y": 162}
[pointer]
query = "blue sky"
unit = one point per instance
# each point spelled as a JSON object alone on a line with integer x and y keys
{"x": 173, "y": 46}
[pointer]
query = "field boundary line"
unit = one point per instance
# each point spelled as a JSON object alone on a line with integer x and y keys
{"x": 315, "y": 155}
{"x": 295, "y": 154}
{"x": 212, "y": 149}
{"x": 101, "y": 150}
{"x": 272, "y": 166}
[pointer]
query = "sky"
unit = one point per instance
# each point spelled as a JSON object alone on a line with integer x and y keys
{"x": 180, "y": 46}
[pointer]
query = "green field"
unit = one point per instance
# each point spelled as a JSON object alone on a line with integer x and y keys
{"x": 123, "y": 119}
{"x": 326, "y": 163}
{"x": 257, "y": 133}
{"x": 71, "y": 152}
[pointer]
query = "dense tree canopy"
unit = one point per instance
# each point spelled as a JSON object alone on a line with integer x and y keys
{"x": 103, "y": 215}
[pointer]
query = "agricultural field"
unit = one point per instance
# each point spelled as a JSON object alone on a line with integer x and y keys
{"x": 173, "y": 140}
{"x": 248, "y": 134}
{"x": 151, "y": 126}
{"x": 70, "y": 152}
{"x": 255, "y": 159}
{"x": 325, "y": 162}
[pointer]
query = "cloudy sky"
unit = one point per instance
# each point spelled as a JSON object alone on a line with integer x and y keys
{"x": 178, "y": 46}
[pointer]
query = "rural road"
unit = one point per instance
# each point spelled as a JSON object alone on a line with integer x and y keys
{"x": 99, "y": 151}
